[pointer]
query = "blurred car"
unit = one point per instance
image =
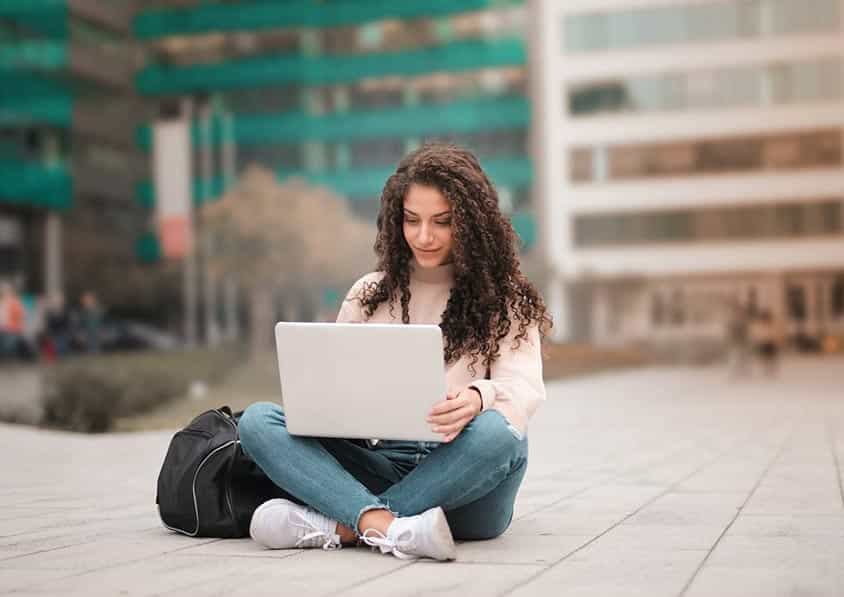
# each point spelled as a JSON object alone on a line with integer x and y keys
{"x": 118, "y": 335}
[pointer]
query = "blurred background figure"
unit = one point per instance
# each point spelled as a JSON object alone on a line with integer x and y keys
{"x": 766, "y": 343}
{"x": 13, "y": 343}
{"x": 58, "y": 332}
{"x": 738, "y": 339}
{"x": 91, "y": 316}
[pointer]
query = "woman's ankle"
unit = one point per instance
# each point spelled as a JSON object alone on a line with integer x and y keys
{"x": 379, "y": 520}
{"x": 347, "y": 534}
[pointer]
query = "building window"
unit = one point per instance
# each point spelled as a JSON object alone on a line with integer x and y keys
{"x": 657, "y": 310}
{"x": 793, "y": 220}
{"x": 795, "y": 299}
{"x": 677, "y": 310}
{"x": 697, "y": 23}
{"x": 837, "y": 298}
{"x": 814, "y": 149}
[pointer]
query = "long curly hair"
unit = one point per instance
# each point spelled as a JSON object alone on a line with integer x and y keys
{"x": 490, "y": 293}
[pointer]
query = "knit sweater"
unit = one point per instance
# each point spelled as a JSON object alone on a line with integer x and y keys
{"x": 515, "y": 387}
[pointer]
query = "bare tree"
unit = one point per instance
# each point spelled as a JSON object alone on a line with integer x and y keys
{"x": 288, "y": 240}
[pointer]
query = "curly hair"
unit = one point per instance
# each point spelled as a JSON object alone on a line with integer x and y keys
{"x": 490, "y": 293}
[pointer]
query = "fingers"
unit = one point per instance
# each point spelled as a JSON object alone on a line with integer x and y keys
{"x": 443, "y": 407}
{"x": 449, "y": 405}
{"x": 463, "y": 411}
{"x": 452, "y": 428}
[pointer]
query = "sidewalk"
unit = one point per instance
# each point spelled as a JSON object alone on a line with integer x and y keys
{"x": 648, "y": 482}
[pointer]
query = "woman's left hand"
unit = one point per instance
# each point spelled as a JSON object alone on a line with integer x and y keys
{"x": 450, "y": 416}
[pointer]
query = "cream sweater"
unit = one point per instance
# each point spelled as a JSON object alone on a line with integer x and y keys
{"x": 515, "y": 387}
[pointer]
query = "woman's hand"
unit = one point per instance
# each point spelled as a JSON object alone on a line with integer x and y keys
{"x": 450, "y": 416}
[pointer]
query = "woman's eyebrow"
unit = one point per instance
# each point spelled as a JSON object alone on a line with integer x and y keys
{"x": 442, "y": 213}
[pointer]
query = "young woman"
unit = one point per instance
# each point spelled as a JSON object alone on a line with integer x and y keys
{"x": 446, "y": 256}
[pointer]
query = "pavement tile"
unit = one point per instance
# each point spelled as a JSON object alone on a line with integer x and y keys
{"x": 800, "y": 581}
{"x": 318, "y": 572}
{"x": 157, "y": 575}
{"x": 603, "y": 572}
{"x": 754, "y": 551}
{"x": 660, "y": 537}
{"x": 455, "y": 579}
{"x": 788, "y": 525}
{"x": 520, "y": 549}
{"x": 684, "y": 509}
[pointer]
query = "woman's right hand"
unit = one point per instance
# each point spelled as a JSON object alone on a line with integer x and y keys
{"x": 450, "y": 416}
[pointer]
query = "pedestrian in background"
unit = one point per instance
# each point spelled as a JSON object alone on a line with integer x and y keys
{"x": 13, "y": 344}
{"x": 91, "y": 321}
{"x": 763, "y": 334}
{"x": 57, "y": 325}
{"x": 738, "y": 340}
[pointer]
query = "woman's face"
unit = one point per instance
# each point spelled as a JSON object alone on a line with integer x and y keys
{"x": 427, "y": 225}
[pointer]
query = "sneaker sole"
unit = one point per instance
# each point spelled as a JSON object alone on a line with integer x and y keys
{"x": 443, "y": 533}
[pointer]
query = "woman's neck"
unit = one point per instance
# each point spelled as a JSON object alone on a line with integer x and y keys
{"x": 441, "y": 274}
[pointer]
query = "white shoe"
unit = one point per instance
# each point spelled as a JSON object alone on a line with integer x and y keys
{"x": 282, "y": 524}
{"x": 426, "y": 535}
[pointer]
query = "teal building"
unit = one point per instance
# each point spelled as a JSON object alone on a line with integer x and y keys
{"x": 68, "y": 158}
{"x": 337, "y": 91}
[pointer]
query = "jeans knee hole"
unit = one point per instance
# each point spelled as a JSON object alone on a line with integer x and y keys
{"x": 515, "y": 432}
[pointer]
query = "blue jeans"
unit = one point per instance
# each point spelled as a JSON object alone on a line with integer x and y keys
{"x": 474, "y": 478}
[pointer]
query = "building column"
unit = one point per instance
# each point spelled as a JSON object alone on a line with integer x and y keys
{"x": 228, "y": 160}
{"x": 557, "y": 301}
{"x": 601, "y": 314}
{"x": 207, "y": 113}
{"x": 53, "y": 266}
{"x": 550, "y": 159}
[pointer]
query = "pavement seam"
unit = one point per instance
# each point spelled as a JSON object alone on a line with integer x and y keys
{"x": 205, "y": 582}
{"x": 607, "y": 479}
{"x": 830, "y": 434}
{"x": 613, "y": 477}
{"x": 774, "y": 459}
{"x": 76, "y": 573}
{"x": 371, "y": 578}
{"x": 639, "y": 509}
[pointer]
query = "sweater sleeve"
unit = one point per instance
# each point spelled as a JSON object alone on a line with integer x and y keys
{"x": 515, "y": 386}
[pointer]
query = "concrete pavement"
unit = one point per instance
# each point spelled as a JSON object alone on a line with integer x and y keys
{"x": 648, "y": 482}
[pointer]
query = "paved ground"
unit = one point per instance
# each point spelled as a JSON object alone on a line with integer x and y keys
{"x": 651, "y": 482}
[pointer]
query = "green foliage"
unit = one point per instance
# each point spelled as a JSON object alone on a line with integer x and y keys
{"x": 88, "y": 393}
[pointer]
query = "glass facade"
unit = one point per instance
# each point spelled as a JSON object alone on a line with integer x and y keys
{"x": 698, "y": 22}
{"x": 781, "y": 152}
{"x": 771, "y": 84}
{"x": 803, "y": 219}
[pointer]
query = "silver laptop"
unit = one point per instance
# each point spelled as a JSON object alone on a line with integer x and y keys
{"x": 360, "y": 380}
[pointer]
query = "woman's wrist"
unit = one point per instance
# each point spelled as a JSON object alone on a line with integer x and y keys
{"x": 480, "y": 398}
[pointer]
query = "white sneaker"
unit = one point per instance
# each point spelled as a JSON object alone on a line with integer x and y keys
{"x": 282, "y": 524}
{"x": 426, "y": 535}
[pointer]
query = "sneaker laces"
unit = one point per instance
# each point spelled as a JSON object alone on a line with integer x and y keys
{"x": 375, "y": 538}
{"x": 314, "y": 535}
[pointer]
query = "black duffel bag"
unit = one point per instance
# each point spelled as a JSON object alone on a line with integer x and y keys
{"x": 208, "y": 487}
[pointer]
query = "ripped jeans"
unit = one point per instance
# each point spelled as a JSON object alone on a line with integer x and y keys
{"x": 474, "y": 478}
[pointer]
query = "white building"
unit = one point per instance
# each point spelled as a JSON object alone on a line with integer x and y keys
{"x": 689, "y": 153}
